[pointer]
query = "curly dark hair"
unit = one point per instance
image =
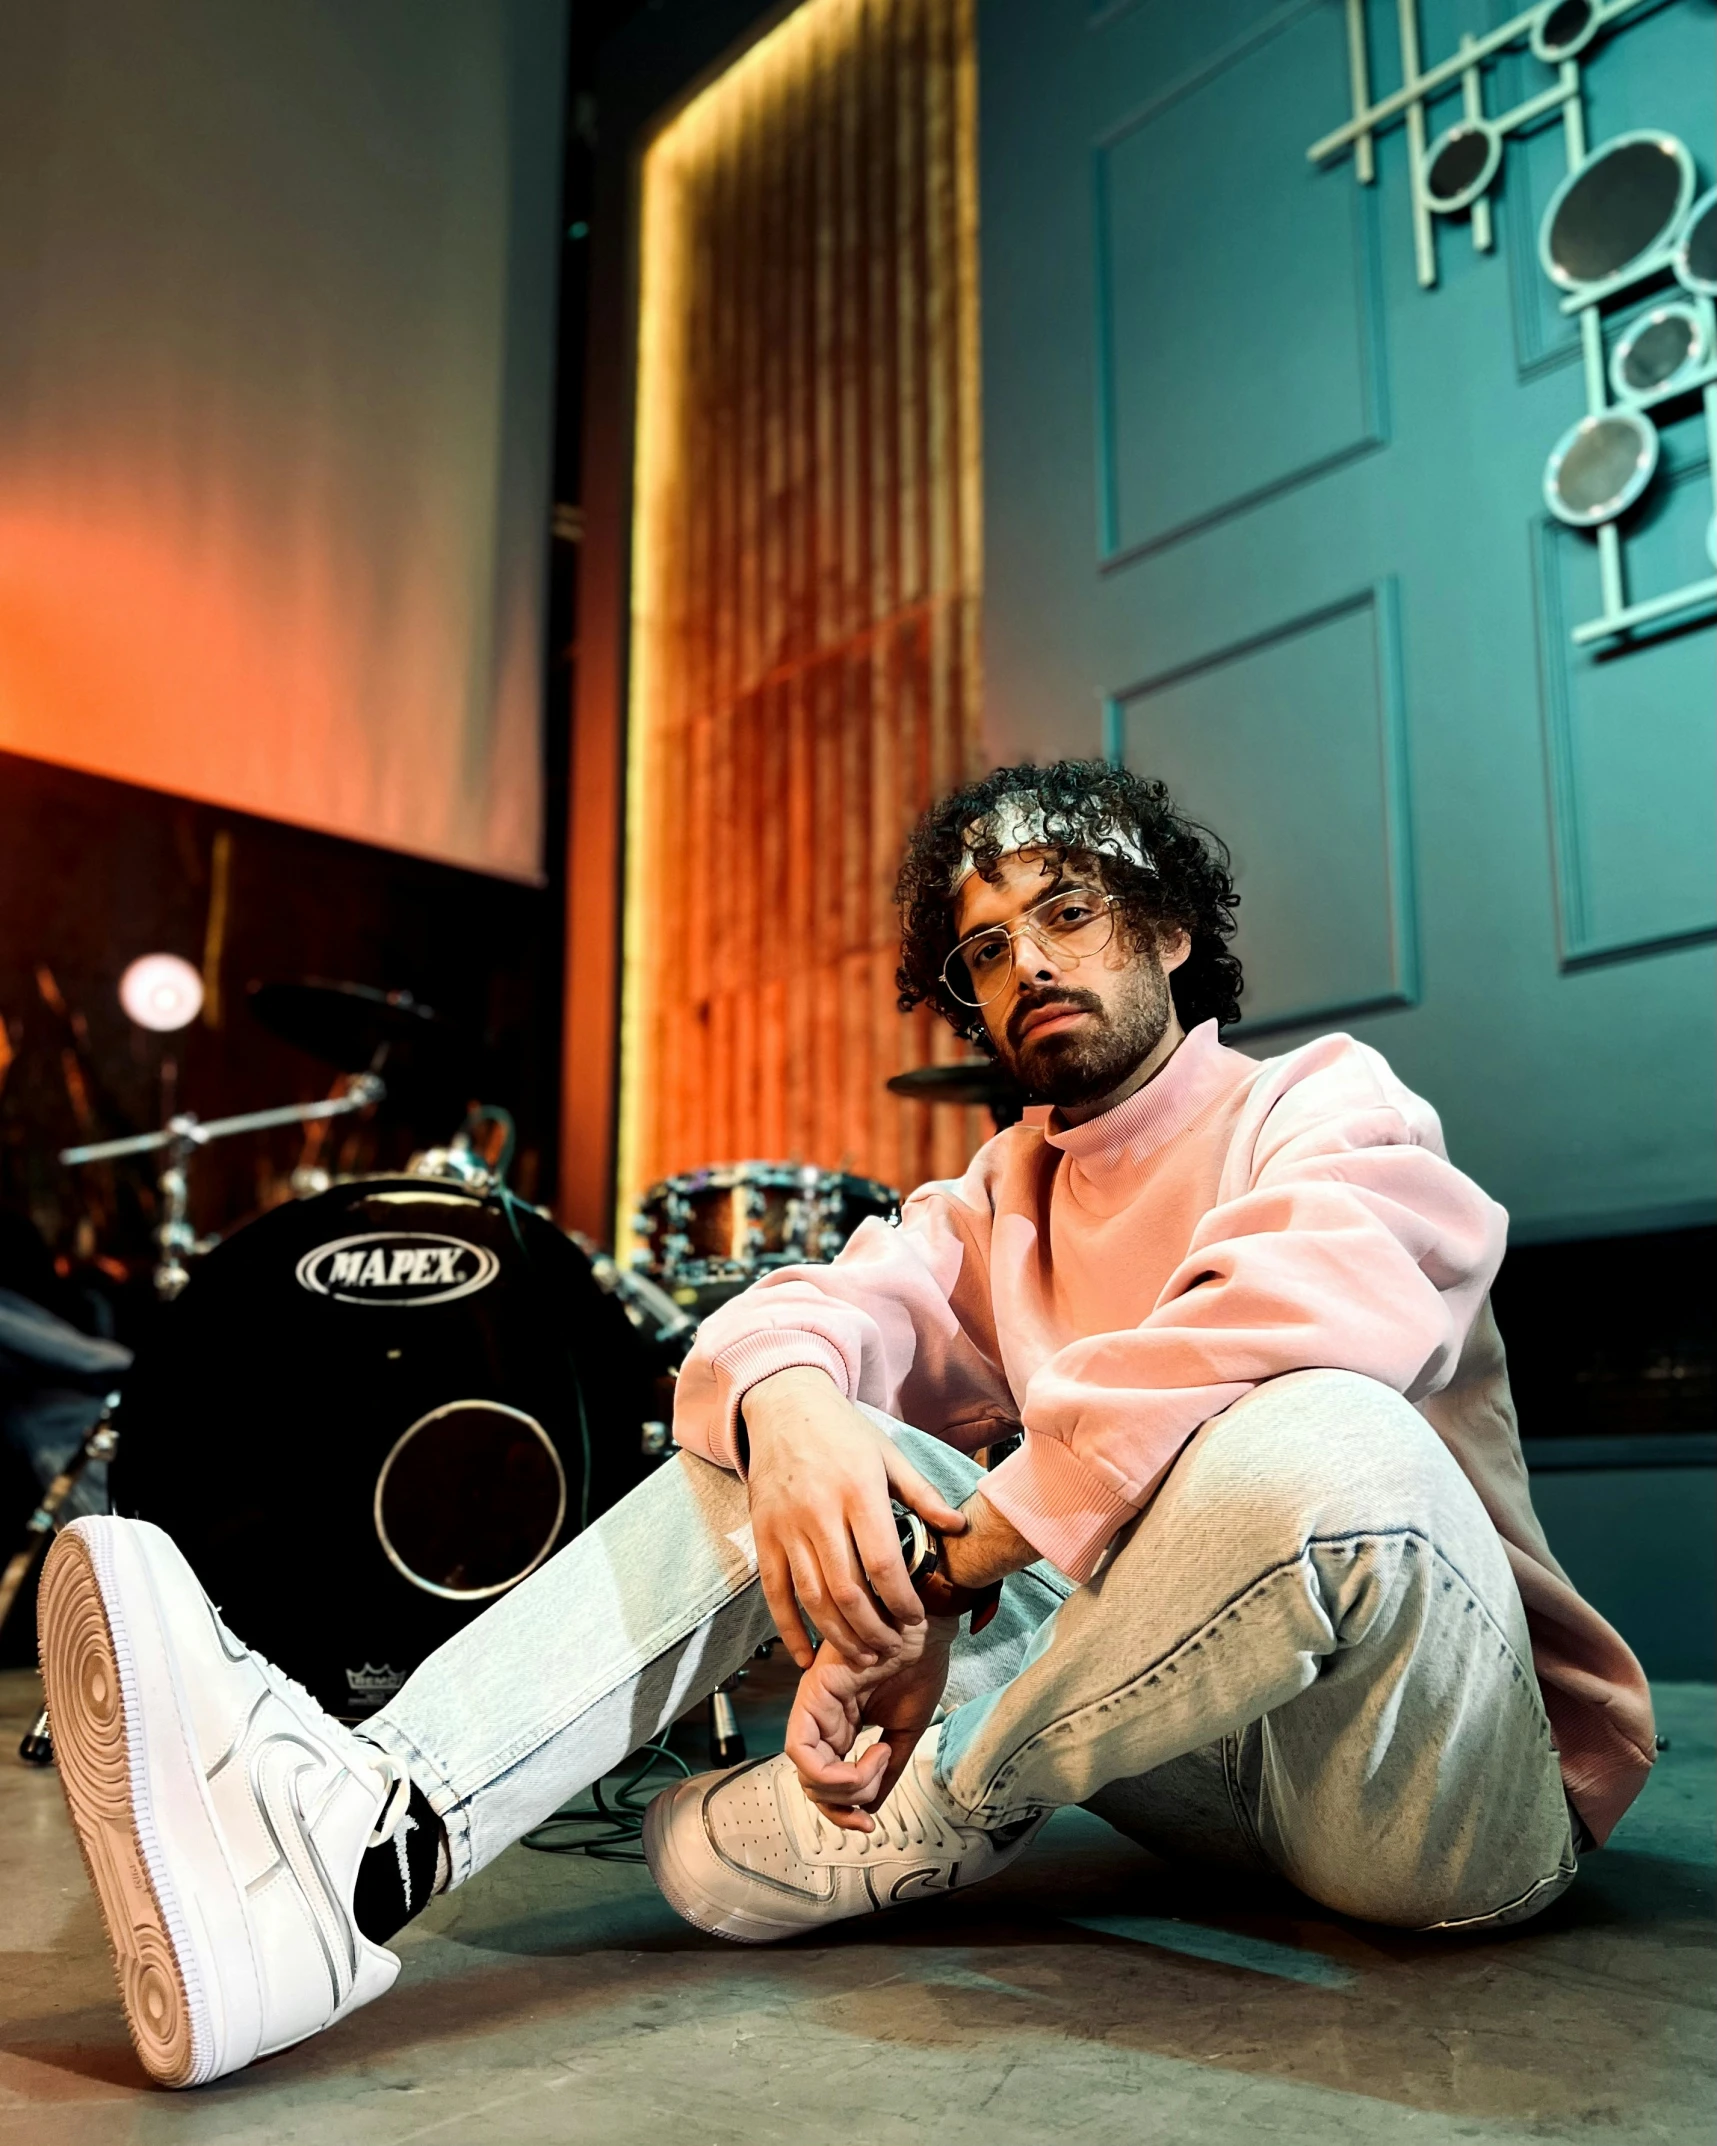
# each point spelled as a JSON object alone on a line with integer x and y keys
{"x": 1084, "y": 803}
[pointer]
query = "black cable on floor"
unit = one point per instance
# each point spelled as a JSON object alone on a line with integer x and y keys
{"x": 624, "y": 1816}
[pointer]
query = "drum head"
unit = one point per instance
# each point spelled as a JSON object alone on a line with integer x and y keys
{"x": 368, "y": 1415}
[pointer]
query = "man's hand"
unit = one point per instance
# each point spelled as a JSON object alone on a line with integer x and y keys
{"x": 835, "y": 1700}
{"x": 821, "y": 1476}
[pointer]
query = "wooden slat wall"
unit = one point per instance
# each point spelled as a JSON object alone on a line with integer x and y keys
{"x": 806, "y": 576}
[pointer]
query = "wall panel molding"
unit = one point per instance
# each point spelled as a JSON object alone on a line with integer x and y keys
{"x": 1160, "y": 378}
{"x": 1628, "y": 756}
{"x": 1545, "y": 339}
{"x": 1312, "y": 840}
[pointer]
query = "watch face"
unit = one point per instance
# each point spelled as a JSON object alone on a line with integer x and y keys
{"x": 917, "y": 1545}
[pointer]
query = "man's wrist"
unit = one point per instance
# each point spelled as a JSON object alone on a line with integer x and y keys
{"x": 780, "y": 1393}
{"x": 988, "y": 1551}
{"x": 785, "y": 1389}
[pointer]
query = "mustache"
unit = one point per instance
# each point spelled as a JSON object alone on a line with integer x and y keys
{"x": 1073, "y": 1001}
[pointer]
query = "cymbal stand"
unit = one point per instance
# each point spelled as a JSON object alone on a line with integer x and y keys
{"x": 100, "y": 1443}
{"x": 726, "y": 1738}
{"x": 180, "y": 1138}
{"x": 175, "y": 1239}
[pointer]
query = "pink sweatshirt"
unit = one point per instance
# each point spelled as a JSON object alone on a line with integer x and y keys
{"x": 1111, "y": 1287}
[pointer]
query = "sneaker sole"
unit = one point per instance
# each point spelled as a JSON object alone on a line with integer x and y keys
{"x": 680, "y": 1889}
{"x": 112, "y": 1788}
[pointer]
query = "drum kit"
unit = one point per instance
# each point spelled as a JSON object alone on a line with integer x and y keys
{"x": 370, "y": 1410}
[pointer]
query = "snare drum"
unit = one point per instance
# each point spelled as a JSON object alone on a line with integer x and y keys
{"x": 738, "y": 1220}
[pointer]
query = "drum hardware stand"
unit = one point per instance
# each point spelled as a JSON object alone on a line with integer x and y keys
{"x": 458, "y": 1163}
{"x": 180, "y": 1138}
{"x": 175, "y": 1239}
{"x": 466, "y": 1159}
{"x": 649, "y": 1307}
{"x": 101, "y": 1443}
{"x": 656, "y": 1316}
{"x": 726, "y": 1738}
{"x": 308, "y": 1177}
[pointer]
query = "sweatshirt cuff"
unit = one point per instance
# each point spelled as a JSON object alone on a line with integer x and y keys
{"x": 747, "y": 1363}
{"x": 1064, "y": 1509}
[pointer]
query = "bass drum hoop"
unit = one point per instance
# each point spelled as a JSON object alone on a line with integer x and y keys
{"x": 497, "y": 1587}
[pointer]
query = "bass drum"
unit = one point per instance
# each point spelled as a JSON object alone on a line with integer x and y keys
{"x": 371, "y": 1413}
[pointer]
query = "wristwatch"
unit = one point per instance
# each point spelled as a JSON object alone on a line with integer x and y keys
{"x": 927, "y": 1569}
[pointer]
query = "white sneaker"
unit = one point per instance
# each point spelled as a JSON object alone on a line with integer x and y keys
{"x": 221, "y": 1813}
{"x": 747, "y": 1855}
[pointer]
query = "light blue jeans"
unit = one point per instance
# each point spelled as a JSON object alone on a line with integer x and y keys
{"x": 1306, "y": 1656}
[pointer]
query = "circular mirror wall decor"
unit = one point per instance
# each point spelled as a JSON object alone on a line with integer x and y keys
{"x": 1600, "y": 467}
{"x": 1620, "y": 205}
{"x": 1696, "y": 256}
{"x": 1460, "y": 164}
{"x": 1659, "y": 350}
{"x": 1623, "y": 219}
{"x": 1562, "y": 28}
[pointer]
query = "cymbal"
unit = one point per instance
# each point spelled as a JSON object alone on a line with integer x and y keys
{"x": 971, "y": 1080}
{"x": 345, "y": 1025}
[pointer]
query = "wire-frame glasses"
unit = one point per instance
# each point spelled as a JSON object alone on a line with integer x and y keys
{"x": 1070, "y": 925}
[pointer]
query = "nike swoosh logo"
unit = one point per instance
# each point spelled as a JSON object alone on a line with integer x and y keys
{"x": 921, "y": 1884}
{"x": 277, "y": 1767}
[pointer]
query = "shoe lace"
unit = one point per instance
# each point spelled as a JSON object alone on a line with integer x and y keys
{"x": 902, "y": 1820}
{"x": 394, "y": 1807}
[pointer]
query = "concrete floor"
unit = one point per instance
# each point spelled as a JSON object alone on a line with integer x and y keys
{"x": 1088, "y": 1994}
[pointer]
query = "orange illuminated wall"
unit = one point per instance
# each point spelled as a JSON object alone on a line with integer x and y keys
{"x": 277, "y": 347}
{"x": 806, "y": 577}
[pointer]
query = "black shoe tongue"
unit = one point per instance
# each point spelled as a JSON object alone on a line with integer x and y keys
{"x": 397, "y": 1876}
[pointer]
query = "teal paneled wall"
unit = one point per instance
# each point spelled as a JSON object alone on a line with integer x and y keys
{"x": 1637, "y": 1544}
{"x": 1318, "y": 702}
{"x": 1264, "y": 516}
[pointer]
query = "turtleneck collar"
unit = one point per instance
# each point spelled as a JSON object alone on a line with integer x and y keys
{"x": 1155, "y": 1114}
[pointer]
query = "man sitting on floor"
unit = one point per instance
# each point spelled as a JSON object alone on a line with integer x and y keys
{"x": 1262, "y": 1583}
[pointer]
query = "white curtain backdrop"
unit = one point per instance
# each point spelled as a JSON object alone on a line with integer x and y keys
{"x": 277, "y": 311}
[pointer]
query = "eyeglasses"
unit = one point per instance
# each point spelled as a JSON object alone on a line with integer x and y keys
{"x": 1070, "y": 926}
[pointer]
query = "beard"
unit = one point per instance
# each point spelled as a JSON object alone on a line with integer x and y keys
{"x": 1081, "y": 1065}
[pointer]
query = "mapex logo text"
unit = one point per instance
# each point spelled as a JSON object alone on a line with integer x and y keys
{"x": 397, "y": 1267}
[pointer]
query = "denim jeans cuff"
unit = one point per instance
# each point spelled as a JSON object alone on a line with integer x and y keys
{"x": 427, "y": 1774}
